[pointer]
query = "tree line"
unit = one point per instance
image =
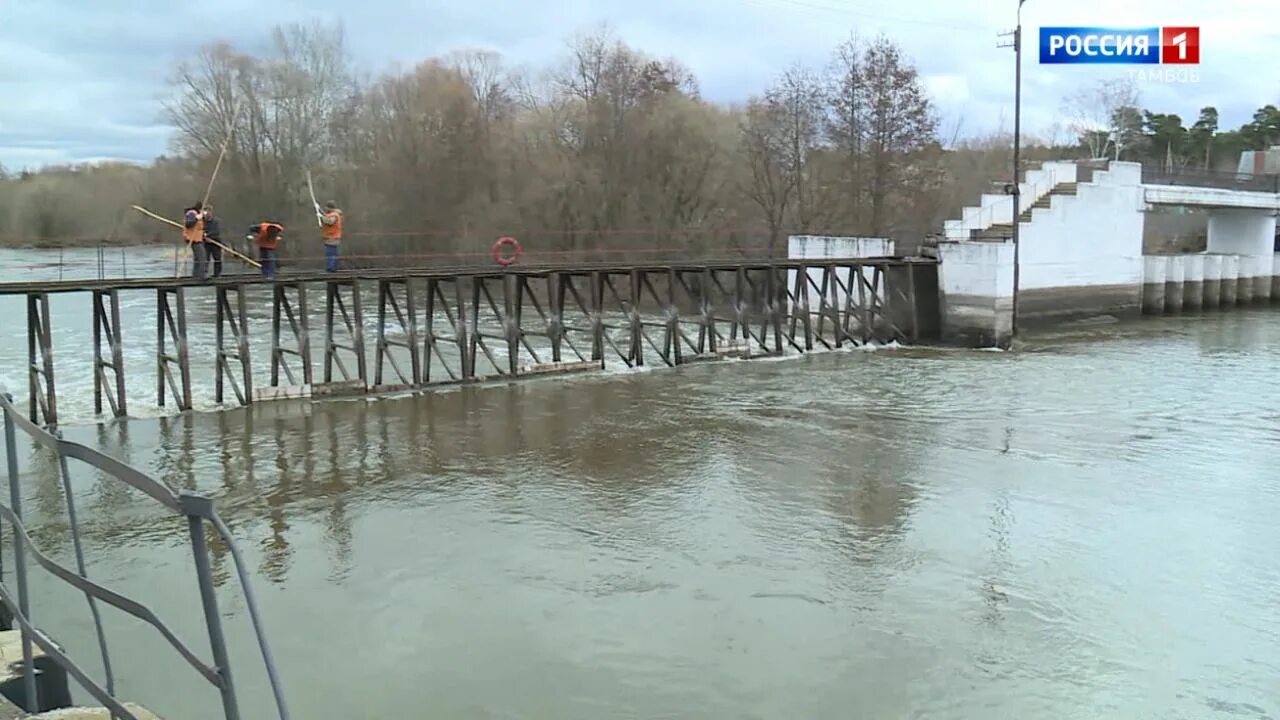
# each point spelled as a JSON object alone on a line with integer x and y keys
{"x": 1110, "y": 122}
{"x": 607, "y": 147}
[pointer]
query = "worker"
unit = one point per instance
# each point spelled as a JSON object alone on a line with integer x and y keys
{"x": 331, "y": 233}
{"x": 267, "y": 236}
{"x": 213, "y": 232}
{"x": 193, "y": 234}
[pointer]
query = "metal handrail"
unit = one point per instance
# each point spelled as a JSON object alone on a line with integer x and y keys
{"x": 196, "y": 508}
{"x": 1195, "y": 177}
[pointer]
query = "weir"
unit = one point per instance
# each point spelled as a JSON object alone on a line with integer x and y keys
{"x": 439, "y": 327}
{"x": 1085, "y": 250}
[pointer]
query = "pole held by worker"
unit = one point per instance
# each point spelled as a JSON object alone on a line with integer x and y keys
{"x": 229, "y": 251}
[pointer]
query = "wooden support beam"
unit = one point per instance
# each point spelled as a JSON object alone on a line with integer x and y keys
{"x": 41, "y": 386}
{"x": 106, "y": 326}
{"x": 171, "y": 329}
{"x": 672, "y": 341}
{"x": 353, "y": 321}
{"x": 597, "y": 317}
{"x": 407, "y": 319}
{"x": 637, "y": 323}
{"x": 774, "y": 290}
{"x": 555, "y": 323}
{"x": 282, "y": 309}
{"x": 800, "y": 312}
{"x": 864, "y": 307}
{"x": 512, "y": 290}
{"x": 915, "y": 306}
{"x": 235, "y": 317}
{"x": 707, "y": 334}
{"x": 466, "y": 344}
{"x": 433, "y": 344}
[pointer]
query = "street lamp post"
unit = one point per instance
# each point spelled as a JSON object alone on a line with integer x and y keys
{"x": 1015, "y": 186}
{"x": 1017, "y": 148}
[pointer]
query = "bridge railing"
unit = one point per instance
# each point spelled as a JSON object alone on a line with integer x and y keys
{"x": 1190, "y": 177}
{"x": 198, "y": 511}
{"x": 367, "y": 248}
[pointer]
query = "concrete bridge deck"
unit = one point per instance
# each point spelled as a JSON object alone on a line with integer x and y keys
{"x": 1210, "y": 197}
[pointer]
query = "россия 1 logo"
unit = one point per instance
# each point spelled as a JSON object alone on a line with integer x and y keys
{"x": 1120, "y": 46}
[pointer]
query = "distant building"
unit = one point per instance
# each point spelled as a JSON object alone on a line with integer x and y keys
{"x": 1260, "y": 162}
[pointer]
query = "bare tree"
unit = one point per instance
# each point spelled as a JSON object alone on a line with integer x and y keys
{"x": 765, "y": 146}
{"x": 206, "y": 95}
{"x": 800, "y": 98}
{"x": 1092, "y": 111}
{"x": 608, "y": 148}
{"x": 900, "y": 123}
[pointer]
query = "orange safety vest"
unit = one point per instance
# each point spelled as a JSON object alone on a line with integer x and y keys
{"x": 332, "y": 234}
{"x": 265, "y": 241}
{"x": 194, "y": 234}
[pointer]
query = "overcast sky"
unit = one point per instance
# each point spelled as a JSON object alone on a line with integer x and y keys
{"x": 82, "y": 80}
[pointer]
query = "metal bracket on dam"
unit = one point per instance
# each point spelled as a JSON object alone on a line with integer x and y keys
{"x": 439, "y": 327}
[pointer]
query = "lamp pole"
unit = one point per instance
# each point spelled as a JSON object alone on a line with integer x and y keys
{"x": 1017, "y": 149}
{"x": 1015, "y": 186}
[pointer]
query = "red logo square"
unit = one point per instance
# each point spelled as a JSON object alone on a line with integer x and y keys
{"x": 1180, "y": 45}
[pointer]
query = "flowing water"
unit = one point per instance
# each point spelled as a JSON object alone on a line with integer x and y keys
{"x": 1082, "y": 528}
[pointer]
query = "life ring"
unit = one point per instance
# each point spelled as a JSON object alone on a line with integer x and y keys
{"x": 505, "y": 242}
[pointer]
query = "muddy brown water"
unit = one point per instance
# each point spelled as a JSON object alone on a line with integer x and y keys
{"x": 1084, "y": 527}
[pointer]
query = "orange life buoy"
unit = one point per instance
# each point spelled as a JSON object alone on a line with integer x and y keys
{"x": 505, "y": 242}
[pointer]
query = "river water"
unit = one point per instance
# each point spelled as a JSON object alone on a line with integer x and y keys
{"x": 1081, "y": 528}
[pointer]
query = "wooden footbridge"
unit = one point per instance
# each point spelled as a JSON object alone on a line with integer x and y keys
{"x": 446, "y": 326}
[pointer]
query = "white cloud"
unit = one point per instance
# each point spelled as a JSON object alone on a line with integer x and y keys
{"x": 83, "y": 80}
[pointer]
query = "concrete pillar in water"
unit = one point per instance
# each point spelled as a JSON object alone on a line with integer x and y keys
{"x": 1193, "y": 282}
{"x": 1264, "y": 269}
{"x": 1275, "y": 276}
{"x": 1154, "y": 270}
{"x": 1173, "y": 283}
{"x": 1248, "y": 234}
{"x": 975, "y": 282}
{"x": 1212, "y": 288}
{"x": 1230, "y": 279}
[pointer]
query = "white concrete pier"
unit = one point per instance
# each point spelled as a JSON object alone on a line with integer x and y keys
{"x": 1080, "y": 254}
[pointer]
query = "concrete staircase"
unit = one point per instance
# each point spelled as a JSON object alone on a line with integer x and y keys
{"x": 1004, "y": 230}
{"x": 989, "y": 220}
{"x": 1046, "y": 201}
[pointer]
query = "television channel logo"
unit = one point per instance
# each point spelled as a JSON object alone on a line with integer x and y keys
{"x": 1120, "y": 46}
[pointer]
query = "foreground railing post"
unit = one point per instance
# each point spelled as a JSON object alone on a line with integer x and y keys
{"x": 197, "y": 508}
{"x": 19, "y": 561}
{"x": 78, "y": 548}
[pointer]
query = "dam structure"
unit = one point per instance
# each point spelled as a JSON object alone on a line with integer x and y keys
{"x": 1091, "y": 245}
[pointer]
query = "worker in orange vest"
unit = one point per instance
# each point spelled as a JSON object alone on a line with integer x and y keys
{"x": 267, "y": 236}
{"x": 331, "y": 233}
{"x": 193, "y": 234}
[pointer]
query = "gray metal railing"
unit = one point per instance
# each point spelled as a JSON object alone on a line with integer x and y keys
{"x": 196, "y": 508}
{"x": 1192, "y": 177}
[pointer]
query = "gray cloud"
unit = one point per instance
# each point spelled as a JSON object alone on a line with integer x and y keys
{"x": 84, "y": 80}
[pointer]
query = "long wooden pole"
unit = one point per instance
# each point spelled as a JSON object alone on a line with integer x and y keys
{"x": 178, "y": 225}
{"x": 226, "y": 141}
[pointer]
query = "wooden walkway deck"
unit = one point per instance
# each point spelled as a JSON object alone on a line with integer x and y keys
{"x": 441, "y": 326}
